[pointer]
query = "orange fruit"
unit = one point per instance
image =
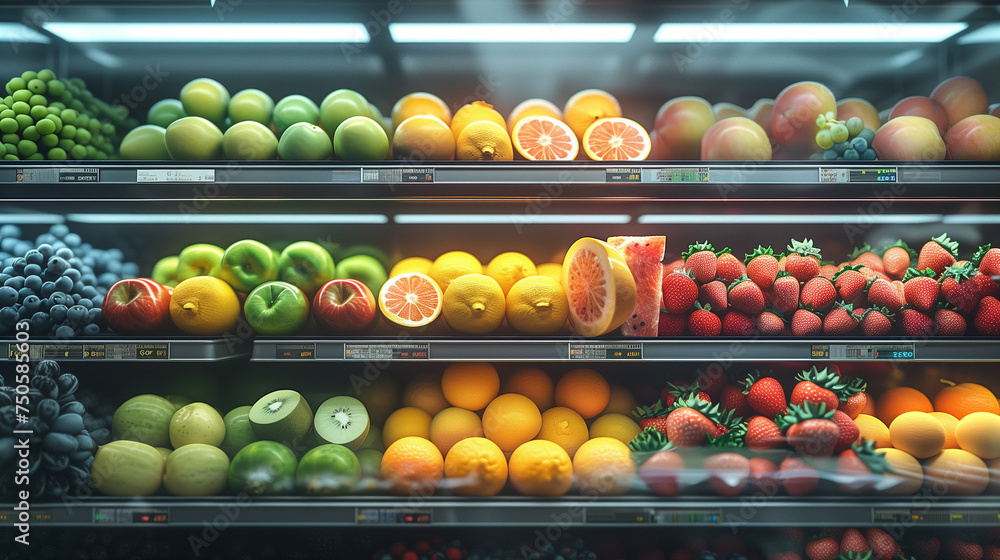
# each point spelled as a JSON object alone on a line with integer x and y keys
{"x": 898, "y": 400}
{"x": 544, "y": 138}
{"x": 470, "y": 385}
{"x": 453, "y": 264}
{"x": 533, "y": 383}
{"x": 584, "y": 390}
{"x": 510, "y": 267}
{"x": 956, "y": 472}
{"x": 411, "y": 264}
{"x": 622, "y": 401}
{"x": 589, "y": 283}
{"x": 917, "y": 433}
{"x": 616, "y": 139}
{"x": 406, "y": 422}
{"x": 873, "y": 430}
{"x": 381, "y": 397}
{"x": 204, "y": 305}
{"x": 473, "y": 112}
{"x": 604, "y": 467}
{"x": 551, "y": 269}
{"x": 565, "y": 427}
{"x": 419, "y": 103}
{"x": 423, "y": 138}
{"x": 965, "y": 398}
{"x": 510, "y": 420}
{"x": 614, "y": 425}
{"x": 534, "y": 107}
{"x": 475, "y": 466}
{"x": 540, "y": 468}
{"x": 412, "y": 465}
{"x": 585, "y": 107}
{"x": 410, "y": 299}
{"x": 484, "y": 140}
{"x": 452, "y": 425}
{"x": 949, "y": 423}
{"x": 905, "y": 477}
{"x": 979, "y": 434}
{"x": 424, "y": 391}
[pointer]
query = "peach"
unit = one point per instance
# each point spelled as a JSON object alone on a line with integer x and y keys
{"x": 909, "y": 139}
{"x": 726, "y": 110}
{"x": 761, "y": 113}
{"x": 920, "y": 106}
{"x": 736, "y": 138}
{"x": 974, "y": 138}
{"x": 680, "y": 124}
{"x": 857, "y": 107}
{"x": 793, "y": 120}
{"x": 961, "y": 96}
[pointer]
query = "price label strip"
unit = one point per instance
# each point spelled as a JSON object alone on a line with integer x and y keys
{"x": 687, "y": 516}
{"x": 131, "y": 516}
{"x": 295, "y": 351}
{"x": 398, "y": 175}
{"x": 392, "y": 516}
{"x": 864, "y": 352}
{"x": 623, "y": 175}
{"x": 389, "y": 351}
{"x": 95, "y": 352}
{"x": 608, "y": 351}
{"x": 175, "y": 176}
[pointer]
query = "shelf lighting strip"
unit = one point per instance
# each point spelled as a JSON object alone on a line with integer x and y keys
{"x": 790, "y": 219}
{"x": 807, "y": 32}
{"x": 512, "y": 219}
{"x": 511, "y": 32}
{"x": 228, "y": 218}
{"x": 180, "y": 32}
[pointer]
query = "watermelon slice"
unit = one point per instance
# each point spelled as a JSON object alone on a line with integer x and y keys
{"x": 644, "y": 256}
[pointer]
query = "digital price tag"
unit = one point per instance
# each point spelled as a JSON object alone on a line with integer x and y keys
{"x": 678, "y": 175}
{"x": 398, "y": 175}
{"x": 175, "y": 176}
{"x": 687, "y": 516}
{"x": 387, "y": 351}
{"x": 295, "y": 351}
{"x": 865, "y": 352}
{"x": 623, "y": 175}
{"x": 392, "y": 516}
{"x": 608, "y": 351}
{"x": 130, "y": 516}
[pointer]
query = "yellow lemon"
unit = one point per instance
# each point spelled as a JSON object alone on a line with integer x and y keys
{"x": 537, "y": 305}
{"x": 473, "y": 304}
{"x": 204, "y": 305}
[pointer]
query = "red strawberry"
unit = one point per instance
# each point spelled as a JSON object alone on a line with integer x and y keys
{"x": 985, "y": 286}
{"x": 682, "y": 553}
{"x": 958, "y": 288}
{"x": 661, "y": 472}
{"x": 729, "y": 268}
{"x": 686, "y": 427}
{"x": 810, "y": 429}
{"x": 802, "y": 259}
{"x": 784, "y": 293}
{"x": 818, "y": 386}
{"x": 797, "y": 476}
{"x": 842, "y": 320}
{"x": 948, "y": 322}
{"x": 763, "y": 476}
{"x": 818, "y": 292}
{"x": 884, "y": 547}
{"x": 746, "y": 296}
{"x": 857, "y": 398}
{"x": 673, "y": 266}
{"x": 849, "y": 432}
{"x": 674, "y": 391}
{"x": 957, "y": 549}
{"x": 885, "y": 294}
{"x": 825, "y": 548}
{"x": 671, "y": 325}
{"x": 769, "y": 324}
{"x": 938, "y": 254}
{"x": 926, "y": 549}
{"x": 850, "y": 283}
{"x": 991, "y": 552}
{"x": 702, "y": 322}
{"x": 853, "y": 541}
{"x": 863, "y": 255}
{"x": 805, "y": 322}
{"x": 714, "y": 293}
{"x": 987, "y": 318}
{"x": 733, "y": 398}
{"x": 737, "y": 324}
{"x": 920, "y": 289}
{"x": 876, "y": 321}
{"x": 700, "y": 261}
{"x": 785, "y": 555}
{"x": 728, "y": 473}
{"x": 762, "y": 433}
{"x": 896, "y": 259}
{"x": 711, "y": 381}
{"x": 915, "y": 323}
{"x": 765, "y": 395}
{"x": 658, "y": 423}
{"x": 829, "y": 270}
{"x": 762, "y": 266}
{"x": 988, "y": 260}
{"x": 680, "y": 291}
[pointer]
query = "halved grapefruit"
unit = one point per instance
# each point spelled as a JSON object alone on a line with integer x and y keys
{"x": 589, "y": 283}
{"x": 410, "y": 299}
{"x": 616, "y": 139}
{"x": 544, "y": 138}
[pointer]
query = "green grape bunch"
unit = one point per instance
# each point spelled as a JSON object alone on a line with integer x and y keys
{"x": 843, "y": 140}
{"x": 43, "y": 117}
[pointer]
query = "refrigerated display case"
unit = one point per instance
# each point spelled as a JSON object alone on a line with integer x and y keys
{"x": 734, "y": 54}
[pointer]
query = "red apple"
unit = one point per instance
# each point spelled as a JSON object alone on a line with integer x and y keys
{"x": 920, "y": 106}
{"x": 793, "y": 119}
{"x": 962, "y": 97}
{"x": 138, "y": 306}
{"x": 345, "y": 306}
{"x": 680, "y": 123}
{"x": 975, "y": 138}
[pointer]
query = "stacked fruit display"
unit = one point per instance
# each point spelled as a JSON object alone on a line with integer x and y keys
{"x": 874, "y": 292}
{"x": 47, "y": 118}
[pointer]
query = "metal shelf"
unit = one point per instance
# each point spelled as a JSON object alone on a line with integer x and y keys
{"x": 134, "y": 350}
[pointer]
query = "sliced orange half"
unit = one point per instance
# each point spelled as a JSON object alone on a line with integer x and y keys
{"x": 410, "y": 299}
{"x": 544, "y": 138}
{"x": 616, "y": 139}
{"x": 589, "y": 283}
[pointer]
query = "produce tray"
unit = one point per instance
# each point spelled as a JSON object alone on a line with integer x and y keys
{"x": 132, "y": 349}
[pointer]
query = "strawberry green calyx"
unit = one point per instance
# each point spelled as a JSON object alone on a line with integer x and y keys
{"x": 679, "y": 391}
{"x": 782, "y": 274}
{"x": 858, "y": 251}
{"x": 705, "y": 307}
{"x": 912, "y": 273}
{"x": 647, "y": 443}
{"x": 645, "y": 412}
{"x": 804, "y": 248}
{"x": 875, "y": 461}
{"x": 712, "y": 411}
{"x": 852, "y": 386}
{"x": 853, "y": 555}
{"x": 977, "y": 258}
{"x": 948, "y": 244}
{"x": 875, "y": 308}
{"x": 847, "y": 267}
{"x": 737, "y": 282}
{"x": 697, "y": 248}
{"x": 945, "y": 305}
{"x": 733, "y": 438}
{"x": 759, "y": 251}
{"x": 825, "y": 377}
{"x": 960, "y": 272}
{"x": 898, "y": 244}
{"x": 801, "y": 412}
{"x": 754, "y": 376}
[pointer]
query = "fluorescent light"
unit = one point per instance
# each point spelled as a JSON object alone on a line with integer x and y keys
{"x": 16, "y": 33}
{"x": 806, "y": 32}
{"x": 511, "y": 32}
{"x": 93, "y": 32}
{"x": 514, "y": 219}
{"x": 972, "y": 219}
{"x": 31, "y": 219}
{"x": 986, "y": 34}
{"x": 789, "y": 219}
{"x": 228, "y": 218}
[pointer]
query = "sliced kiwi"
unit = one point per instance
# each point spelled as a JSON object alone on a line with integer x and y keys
{"x": 343, "y": 420}
{"x": 283, "y": 416}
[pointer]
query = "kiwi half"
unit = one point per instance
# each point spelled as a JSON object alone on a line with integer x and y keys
{"x": 283, "y": 416}
{"x": 343, "y": 420}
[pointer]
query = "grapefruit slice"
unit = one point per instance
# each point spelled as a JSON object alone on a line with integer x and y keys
{"x": 625, "y": 288}
{"x": 616, "y": 139}
{"x": 644, "y": 256}
{"x": 589, "y": 283}
{"x": 410, "y": 299}
{"x": 544, "y": 138}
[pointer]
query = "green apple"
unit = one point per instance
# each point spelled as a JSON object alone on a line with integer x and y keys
{"x": 365, "y": 268}
{"x": 294, "y": 109}
{"x": 306, "y": 265}
{"x": 249, "y": 140}
{"x": 304, "y": 141}
{"x": 247, "y": 264}
{"x": 165, "y": 111}
{"x": 341, "y": 105}
{"x": 251, "y": 105}
{"x": 193, "y": 139}
{"x": 365, "y": 249}
{"x": 165, "y": 271}
{"x": 239, "y": 433}
{"x": 360, "y": 139}
{"x": 148, "y": 141}
{"x": 206, "y": 98}
{"x": 200, "y": 259}
{"x": 276, "y": 308}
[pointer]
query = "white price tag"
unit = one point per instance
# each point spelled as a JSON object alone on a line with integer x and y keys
{"x": 175, "y": 176}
